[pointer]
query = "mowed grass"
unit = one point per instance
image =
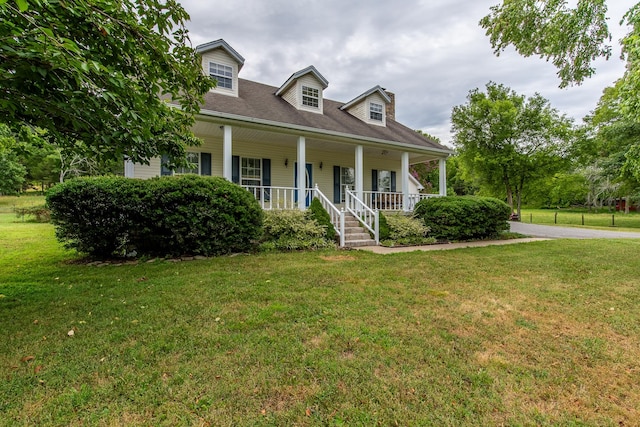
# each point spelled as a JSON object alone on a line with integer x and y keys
{"x": 601, "y": 220}
{"x": 544, "y": 333}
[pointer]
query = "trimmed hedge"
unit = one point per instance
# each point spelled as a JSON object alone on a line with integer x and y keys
{"x": 320, "y": 214}
{"x": 189, "y": 214}
{"x": 455, "y": 218}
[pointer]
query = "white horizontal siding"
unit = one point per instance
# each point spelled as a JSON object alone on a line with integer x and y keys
{"x": 219, "y": 56}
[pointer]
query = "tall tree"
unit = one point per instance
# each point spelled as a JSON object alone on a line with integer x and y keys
{"x": 506, "y": 140}
{"x": 100, "y": 71}
{"x": 12, "y": 172}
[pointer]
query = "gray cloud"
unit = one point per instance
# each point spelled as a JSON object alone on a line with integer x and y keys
{"x": 430, "y": 53}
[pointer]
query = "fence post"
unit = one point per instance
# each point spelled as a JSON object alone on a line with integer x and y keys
{"x": 531, "y": 218}
{"x": 555, "y": 218}
{"x": 583, "y": 219}
{"x": 613, "y": 220}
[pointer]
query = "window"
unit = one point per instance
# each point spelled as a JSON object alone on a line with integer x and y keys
{"x": 251, "y": 172}
{"x": 347, "y": 178}
{"x": 375, "y": 111}
{"x": 251, "y": 175}
{"x": 384, "y": 181}
{"x": 310, "y": 96}
{"x": 223, "y": 74}
{"x": 193, "y": 158}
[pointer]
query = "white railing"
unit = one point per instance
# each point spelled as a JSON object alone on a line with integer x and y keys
{"x": 367, "y": 216}
{"x": 392, "y": 201}
{"x": 271, "y": 198}
{"x": 337, "y": 216}
{"x": 415, "y": 198}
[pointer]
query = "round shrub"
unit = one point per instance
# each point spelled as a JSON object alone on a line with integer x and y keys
{"x": 455, "y": 218}
{"x": 189, "y": 214}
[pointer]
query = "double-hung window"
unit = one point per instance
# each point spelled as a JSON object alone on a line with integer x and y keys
{"x": 223, "y": 74}
{"x": 348, "y": 180}
{"x": 375, "y": 111}
{"x": 384, "y": 181}
{"x": 251, "y": 174}
{"x": 310, "y": 96}
{"x": 194, "y": 159}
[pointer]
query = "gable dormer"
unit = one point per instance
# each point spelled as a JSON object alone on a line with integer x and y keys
{"x": 370, "y": 107}
{"x": 304, "y": 89}
{"x": 223, "y": 63}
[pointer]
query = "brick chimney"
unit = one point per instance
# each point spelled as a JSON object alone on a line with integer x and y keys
{"x": 391, "y": 107}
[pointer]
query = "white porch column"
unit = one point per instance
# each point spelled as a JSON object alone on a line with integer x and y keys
{"x": 302, "y": 168}
{"x": 227, "y": 154}
{"x": 359, "y": 170}
{"x": 405, "y": 181}
{"x": 442, "y": 177}
{"x": 129, "y": 168}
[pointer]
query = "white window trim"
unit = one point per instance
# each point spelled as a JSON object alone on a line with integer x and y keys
{"x": 342, "y": 183}
{"x": 310, "y": 108}
{"x": 199, "y": 172}
{"x": 242, "y": 177}
{"x": 382, "y": 121}
{"x": 216, "y": 76}
{"x": 380, "y": 180}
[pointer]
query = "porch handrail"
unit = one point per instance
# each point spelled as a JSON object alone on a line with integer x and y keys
{"x": 336, "y": 215}
{"x": 272, "y": 198}
{"x": 367, "y": 216}
{"x": 393, "y": 200}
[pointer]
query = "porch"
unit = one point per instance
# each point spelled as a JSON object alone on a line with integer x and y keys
{"x": 362, "y": 211}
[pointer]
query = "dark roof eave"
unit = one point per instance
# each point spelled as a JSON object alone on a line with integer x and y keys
{"x": 305, "y": 130}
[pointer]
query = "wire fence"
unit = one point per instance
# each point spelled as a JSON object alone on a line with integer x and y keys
{"x": 618, "y": 220}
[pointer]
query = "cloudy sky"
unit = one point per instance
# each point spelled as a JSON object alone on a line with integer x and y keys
{"x": 430, "y": 53}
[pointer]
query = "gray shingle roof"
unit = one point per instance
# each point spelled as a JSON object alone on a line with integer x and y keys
{"x": 258, "y": 101}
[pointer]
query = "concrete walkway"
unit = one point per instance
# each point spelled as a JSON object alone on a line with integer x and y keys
{"x": 446, "y": 246}
{"x": 536, "y": 231}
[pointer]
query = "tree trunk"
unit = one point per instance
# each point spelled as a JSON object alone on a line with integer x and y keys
{"x": 626, "y": 204}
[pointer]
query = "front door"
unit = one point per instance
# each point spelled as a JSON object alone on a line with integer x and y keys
{"x": 308, "y": 180}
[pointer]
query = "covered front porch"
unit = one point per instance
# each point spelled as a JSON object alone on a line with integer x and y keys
{"x": 266, "y": 162}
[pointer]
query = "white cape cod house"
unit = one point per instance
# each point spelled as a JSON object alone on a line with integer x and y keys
{"x": 355, "y": 156}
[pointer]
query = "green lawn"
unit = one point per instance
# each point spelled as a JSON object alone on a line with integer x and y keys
{"x": 544, "y": 333}
{"x": 602, "y": 220}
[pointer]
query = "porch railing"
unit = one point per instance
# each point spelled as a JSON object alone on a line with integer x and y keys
{"x": 393, "y": 201}
{"x": 272, "y": 198}
{"x": 337, "y": 216}
{"x": 367, "y": 216}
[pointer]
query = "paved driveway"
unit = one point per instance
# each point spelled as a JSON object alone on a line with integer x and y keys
{"x": 553, "y": 231}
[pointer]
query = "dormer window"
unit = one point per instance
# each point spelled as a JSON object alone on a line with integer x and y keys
{"x": 223, "y": 74}
{"x": 375, "y": 111}
{"x": 310, "y": 96}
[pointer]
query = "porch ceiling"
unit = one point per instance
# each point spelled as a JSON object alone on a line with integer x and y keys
{"x": 214, "y": 130}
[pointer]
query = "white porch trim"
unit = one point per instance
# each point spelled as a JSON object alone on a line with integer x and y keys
{"x": 359, "y": 171}
{"x": 302, "y": 168}
{"x": 129, "y": 168}
{"x": 405, "y": 180}
{"x": 442, "y": 177}
{"x": 227, "y": 154}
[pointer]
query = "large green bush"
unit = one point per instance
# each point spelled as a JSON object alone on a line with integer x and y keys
{"x": 293, "y": 230}
{"x": 115, "y": 216}
{"x": 463, "y": 218}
